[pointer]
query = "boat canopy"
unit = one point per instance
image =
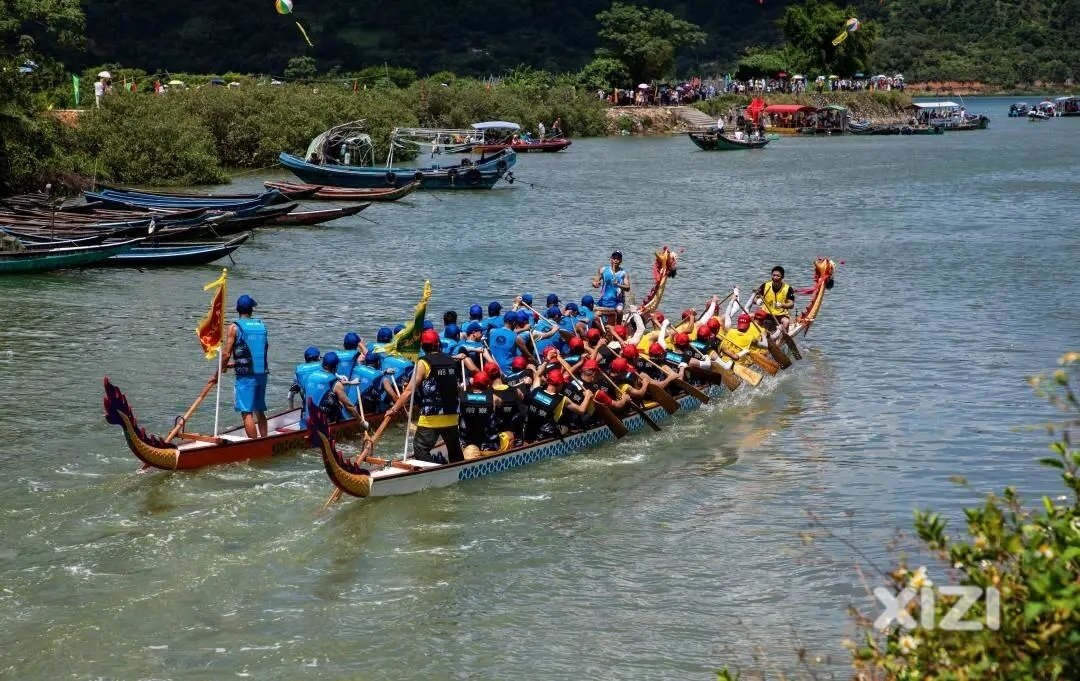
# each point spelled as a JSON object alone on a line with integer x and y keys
{"x": 496, "y": 125}
{"x": 788, "y": 108}
{"x": 936, "y": 105}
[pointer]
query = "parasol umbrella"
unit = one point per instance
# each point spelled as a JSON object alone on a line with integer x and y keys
{"x": 819, "y": 79}
{"x": 104, "y": 74}
{"x": 834, "y": 77}
{"x": 898, "y": 76}
{"x": 176, "y": 83}
{"x": 860, "y": 74}
{"x": 643, "y": 86}
{"x": 798, "y": 77}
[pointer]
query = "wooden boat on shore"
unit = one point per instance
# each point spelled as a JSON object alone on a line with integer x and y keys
{"x": 45, "y": 260}
{"x": 231, "y": 446}
{"x": 380, "y": 477}
{"x": 324, "y": 193}
{"x": 467, "y": 175}
{"x": 711, "y": 140}
{"x": 129, "y": 198}
{"x": 197, "y": 198}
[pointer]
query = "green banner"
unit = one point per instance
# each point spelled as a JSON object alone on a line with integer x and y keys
{"x": 75, "y": 88}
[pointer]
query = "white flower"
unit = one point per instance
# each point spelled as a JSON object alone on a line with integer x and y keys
{"x": 1045, "y": 551}
{"x": 908, "y": 644}
{"x": 958, "y": 565}
{"x": 919, "y": 578}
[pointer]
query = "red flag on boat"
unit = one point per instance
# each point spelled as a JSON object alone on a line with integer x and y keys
{"x": 211, "y": 329}
{"x": 757, "y": 105}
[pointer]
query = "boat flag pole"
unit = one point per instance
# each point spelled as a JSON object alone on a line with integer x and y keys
{"x": 217, "y": 396}
{"x": 408, "y": 420}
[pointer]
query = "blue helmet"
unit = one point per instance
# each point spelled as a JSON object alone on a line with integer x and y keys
{"x": 587, "y": 301}
{"x": 476, "y": 312}
{"x": 352, "y": 340}
{"x": 571, "y": 307}
{"x": 372, "y": 357}
{"x": 428, "y": 324}
{"x": 473, "y": 327}
{"x": 245, "y": 304}
{"x": 494, "y": 308}
{"x": 552, "y": 300}
{"x": 510, "y": 317}
{"x": 311, "y": 354}
{"x": 384, "y": 335}
{"x": 330, "y": 360}
{"x": 523, "y": 317}
{"x": 451, "y": 331}
{"x": 527, "y": 298}
{"x": 554, "y": 312}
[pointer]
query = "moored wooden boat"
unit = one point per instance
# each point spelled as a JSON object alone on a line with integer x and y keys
{"x": 379, "y": 477}
{"x": 316, "y": 217}
{"x": 125, "y": 199}
{"x": 468, "y": 175}
{"x": 198, "y": 451}
{"x": 197, "y": 198}
{"x": 713, "y": 141}
{"x": 44, "y": 260}
{"x": 176, "y": 253}
{"x": 326, "y": 193}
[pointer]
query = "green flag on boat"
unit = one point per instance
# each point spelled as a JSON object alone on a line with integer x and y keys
{"x": 75, "y": 88}
{"x": 406, "y": 342}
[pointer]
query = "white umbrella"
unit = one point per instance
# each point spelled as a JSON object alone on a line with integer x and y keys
{"x": 104, "y": 74}
{"x": 898, "y": 76}
{"x": 644, "y": 86}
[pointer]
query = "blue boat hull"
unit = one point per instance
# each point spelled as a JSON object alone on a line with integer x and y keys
{"x": 482, "y": 175}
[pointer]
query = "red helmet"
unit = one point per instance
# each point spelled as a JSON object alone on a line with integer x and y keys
{"x": 761, "y": 315}
{"x": 656, "y": 350}
{"x": 687, "y": 313}
{"x": 619, "y": 330}
{"x": 743, "y": 322}
{"x": 593, "y": 335}
{"x": 659, "y": 317}
{"x": 555, "y": 377}
{"x": 681, "y": 340}
{"x": 619, "y": 365}
{"x": 518, "y": 363}
{"x": 590, "y": 365}
{"x": 481, "y": 379}
{"x": 704, "y": 331}
{"x": 429, "y": 339}
{"x": 492, "y": 369}
{"x": 576, "y": 344}
{"x": 629, "y": 351}
{"x": 714, "y": 324}
{"x": 551, "y": 351}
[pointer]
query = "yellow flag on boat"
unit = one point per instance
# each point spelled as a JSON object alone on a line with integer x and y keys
{"x": 211, "y": 329}
{"x": 406, "y": 343}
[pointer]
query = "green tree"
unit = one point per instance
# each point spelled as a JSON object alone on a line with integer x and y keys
{"x": 645, "y": 40}
{"x": 811, "y": 27}
{"x": 301, "y": 68}
{"x": 604, "y": 73}
{"x": 34, "y": 36}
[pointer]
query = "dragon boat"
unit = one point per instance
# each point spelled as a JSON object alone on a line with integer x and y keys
{"x": 376, "y": 477}
{"x": 197, "y": 451}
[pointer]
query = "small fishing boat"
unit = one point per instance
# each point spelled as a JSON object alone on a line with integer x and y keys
{"x": 1019, "y": 109}
{"x": 125, "y": 198}
{"x": 317, "y": 217}
{"x": 711, "y": 140}
{"x": 377, "y": 477}
{"x": 161, "y": 255}
{"x": 45, "y": 260}
{"x": 324, "y": 193}
{"x": 199, "y": 199}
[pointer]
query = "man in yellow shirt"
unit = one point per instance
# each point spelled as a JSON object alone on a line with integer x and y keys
{"x": 777, "y": 298}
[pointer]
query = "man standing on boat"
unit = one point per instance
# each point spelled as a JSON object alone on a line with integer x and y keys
{"x": 245, "y": 351}
{"x": 436, "y": 382}
{"x": 777, "y": 298}
{"x": 613, "y": 282}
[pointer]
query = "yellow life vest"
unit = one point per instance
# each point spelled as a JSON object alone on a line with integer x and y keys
{"x": 741, "y": 340}
{"x": 771, "y": 300}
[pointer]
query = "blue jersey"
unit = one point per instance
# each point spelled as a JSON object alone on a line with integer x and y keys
{"x": 503, "y": 347}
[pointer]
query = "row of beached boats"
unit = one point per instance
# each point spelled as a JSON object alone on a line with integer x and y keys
{"x": 385, "y": 476}
{"x": 130, "y": 227}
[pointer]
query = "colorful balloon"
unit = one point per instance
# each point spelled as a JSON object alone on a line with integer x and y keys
{"x": 283, "y": 6}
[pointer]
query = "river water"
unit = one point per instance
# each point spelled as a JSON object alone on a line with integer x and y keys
{"x": 665, "y": 555}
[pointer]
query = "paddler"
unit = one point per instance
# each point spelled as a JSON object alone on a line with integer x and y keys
{"x": 376, "y": 388}
{"x": 587, "y": 310}
{"x": 478, "y": 409}
{"x": 311, "y": 363}
{"x": 777, "y": 298}
{"x": 613, "y": 282}
{"x": 508, "y": 415}
{"x": 435, "y": 381}
{"x": 348, "y": 359}
{"x": 501, "y": 341}
{"x": 744, "y": 335}
{"x": 495, "y": 317}
{"x": 657, "y": 370}
{"x": 545, "y": 404}
{"x": 246, "y": 351}
{"x": 472, "y": 349}
{"x": 324, "y": 388}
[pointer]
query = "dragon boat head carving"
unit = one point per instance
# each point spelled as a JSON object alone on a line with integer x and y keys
{"x": 348, "y": 476}
{"x": 149, "y": 448}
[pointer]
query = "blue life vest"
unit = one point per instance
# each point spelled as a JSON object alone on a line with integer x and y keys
{"x": 586, "y": 315}
{"x": 402, "y": 367}
{"x": 503, "y": 348}
{"x": 610, "y": 294}
{"x": 473, "y": 349}
{"x": 674, "y": 358}
{"x": 249, "y": 350}
{"x": 302, "y": 372}
{"x": 490, "y": 323}
{"x": 318, "y": 388}
{"x": 345, "y": 368}
{"x": 543, "y": 326}
{"x": 370, "y": 388}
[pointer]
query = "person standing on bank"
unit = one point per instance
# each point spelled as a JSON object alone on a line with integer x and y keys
{"x": 777, "y": 299}
{"x": 246, "y": 352}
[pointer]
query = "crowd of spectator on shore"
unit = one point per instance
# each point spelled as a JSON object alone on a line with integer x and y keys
{"x": 696, "y": 89}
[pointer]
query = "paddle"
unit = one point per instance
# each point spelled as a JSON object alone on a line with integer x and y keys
{"x": 191, "y": 410}
{"x": 634, "y": 405}
{"x": 788, "y": 340}
{"x": 610, "y": 418}
{"x": 688, "y": 387}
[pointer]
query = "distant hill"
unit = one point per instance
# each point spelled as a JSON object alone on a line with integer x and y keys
{"x": 970, "y": 39}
